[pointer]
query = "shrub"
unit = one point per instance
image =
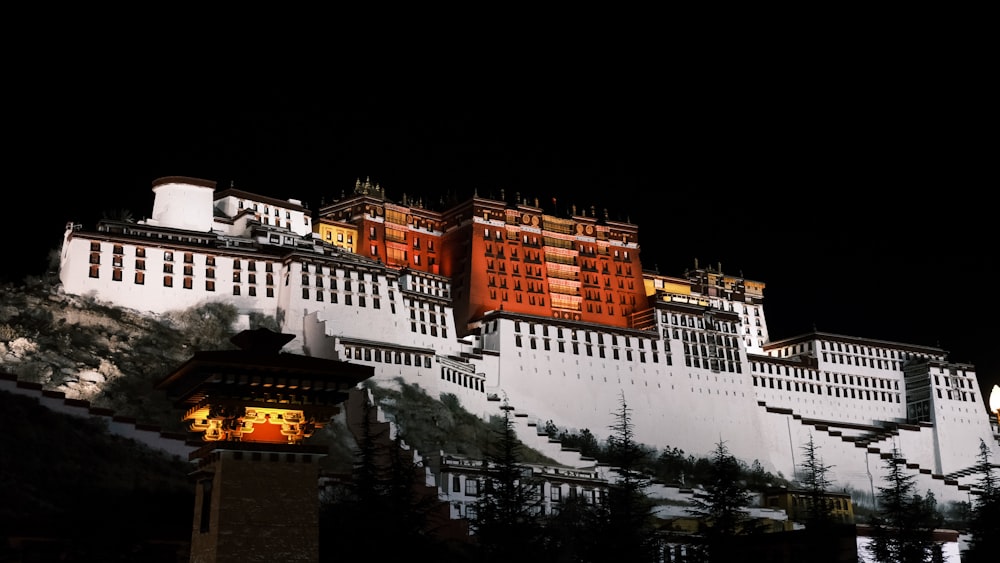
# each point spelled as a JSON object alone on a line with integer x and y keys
{"x": 7, "y": 333}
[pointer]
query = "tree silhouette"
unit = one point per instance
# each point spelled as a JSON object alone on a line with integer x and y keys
{"x": 626, "y": 521}
{"x": 819, "y": 510}
{"x": 382, "y": 499}
{"x": 723, "y": 510}
{"x": 984, "y": 525}
{"x": 122, "y": 214}
{"x": 672, "y": 466}
{"x": 584, "y": 441}
{"x": 819, "y": 519}
{"x": 506, "y": 522}
{"x": 902, "y": 529}
{"x": 574, "y": 534}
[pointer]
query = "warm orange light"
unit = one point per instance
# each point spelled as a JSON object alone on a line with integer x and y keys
{"x": 256, "y": 425}
{"x": 995, "y": 399}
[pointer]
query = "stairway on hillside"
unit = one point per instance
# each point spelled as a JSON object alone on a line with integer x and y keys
{"x": 173, "y": 443}
{"x": 533, "y": 435}
{"x": 870, "y": 437}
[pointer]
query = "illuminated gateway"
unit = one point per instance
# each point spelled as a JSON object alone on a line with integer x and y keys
{"x": 494, "y": 299}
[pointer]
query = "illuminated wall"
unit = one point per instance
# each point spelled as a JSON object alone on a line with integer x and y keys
{"x": 398, "y": 235}
{"x": 337, "y": 233}
{"x": 520, "y": 260}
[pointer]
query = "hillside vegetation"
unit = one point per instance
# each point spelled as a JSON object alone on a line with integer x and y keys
{"x": 113, "y": 358}
{"x": 74, "y": 492}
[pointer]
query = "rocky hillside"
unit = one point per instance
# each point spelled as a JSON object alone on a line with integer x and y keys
{"x": 113, "y": 357}
{"x": 108, "y": 356}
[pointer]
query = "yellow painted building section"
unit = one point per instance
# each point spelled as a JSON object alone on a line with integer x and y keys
{"x": 753, "y": 288}
{"x": 654, "y": 284}
{"x": 680, "y": 289}
{"x": 338, "y": 234}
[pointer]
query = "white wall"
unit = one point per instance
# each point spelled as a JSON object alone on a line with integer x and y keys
{"x": 180, "y": 205}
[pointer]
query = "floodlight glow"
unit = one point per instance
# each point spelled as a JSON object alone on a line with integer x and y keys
{"x": 995, "y": 398}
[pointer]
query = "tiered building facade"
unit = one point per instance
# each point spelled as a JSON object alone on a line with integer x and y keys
{"x": 491, "y": 299}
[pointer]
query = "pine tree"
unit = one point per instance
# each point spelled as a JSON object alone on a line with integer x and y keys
{"x": 902, "y": 529}
{"x": 816, "y": 484}
{"x": 574, "y": 534}
{"x": 627, "y": 523}
{"x": 507, "y": 524}
{"x": 984, "y": 525}
{"x": 723, "y": 511}
{"x": 381, "y": 499}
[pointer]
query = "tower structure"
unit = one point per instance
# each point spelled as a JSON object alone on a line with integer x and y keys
{"x": 257, "y": 496}
{"x": 401, "y": 235}
{"x": 505, "y": 256}
{"x": 518, "y": 258}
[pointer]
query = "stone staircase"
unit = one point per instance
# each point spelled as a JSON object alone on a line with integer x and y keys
{"x": 172, "y": 443}
{"x": 874, "y": 439}
{"x": 532, "y": 433}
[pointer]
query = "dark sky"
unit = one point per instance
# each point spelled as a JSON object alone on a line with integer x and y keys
{"x": 857, "y": 189}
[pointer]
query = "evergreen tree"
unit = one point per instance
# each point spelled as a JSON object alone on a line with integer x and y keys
{"x": 672, "y": 466}
{"x": 819, "y": 513}
{"x": 984, "y": 525}
{"x": 902, "y": 529}
{"x": 584, "y": 441}
{"x": 382, "y": 498}
{"x": 627, "y": 525}
{"x": 574, "y": 534}
{"x": 351, "y": 509}
{"x": 723, "y": 511}
{"x": 507, "y": 523}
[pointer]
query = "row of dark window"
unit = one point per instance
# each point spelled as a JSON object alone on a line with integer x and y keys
{"x": 387, "y": 356}
{"x": 560, "y": 332}
{"x": 588, "y": 349}
{"x": 463, "y": 379}
{"x": 831, "y": 390}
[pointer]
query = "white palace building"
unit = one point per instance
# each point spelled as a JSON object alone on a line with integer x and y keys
{"x": 408, "y": 291}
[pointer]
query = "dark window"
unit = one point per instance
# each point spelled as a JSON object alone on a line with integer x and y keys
{"x": 206, "y": 505}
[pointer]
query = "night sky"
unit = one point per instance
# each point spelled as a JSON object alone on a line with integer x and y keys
{"x": 857, "y": 193}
